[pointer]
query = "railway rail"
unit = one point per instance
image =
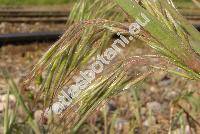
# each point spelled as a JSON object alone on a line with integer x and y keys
{"x": 22, "y": 16}
{"x": 23, "y": 38}
{"x": 22, "y": 13}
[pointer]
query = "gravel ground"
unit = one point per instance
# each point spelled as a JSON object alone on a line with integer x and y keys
{"x": 155, "y": 95}
{"x": 6, "y": 28}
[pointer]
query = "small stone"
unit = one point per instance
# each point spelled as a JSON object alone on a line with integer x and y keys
{"x": 153, "y": 89}
{"x": 143, "y": 110}
{"x": 12, "y": 98}
{"x": 38, "y": 115}
{"x": 121, "y": 126}
{"x": 171, "y": 95}
{"x": 2, "y": 106}
{"x": 150, "y": 121}
{"x": 154, "y": 107}
{"x": 111, "y": 106}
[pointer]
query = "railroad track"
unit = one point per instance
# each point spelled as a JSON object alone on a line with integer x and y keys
{"x": 19, "y": 16}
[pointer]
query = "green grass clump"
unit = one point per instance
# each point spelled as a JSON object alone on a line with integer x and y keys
{"x": 167, "y": 32}
{"x": 11, "y": 117}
